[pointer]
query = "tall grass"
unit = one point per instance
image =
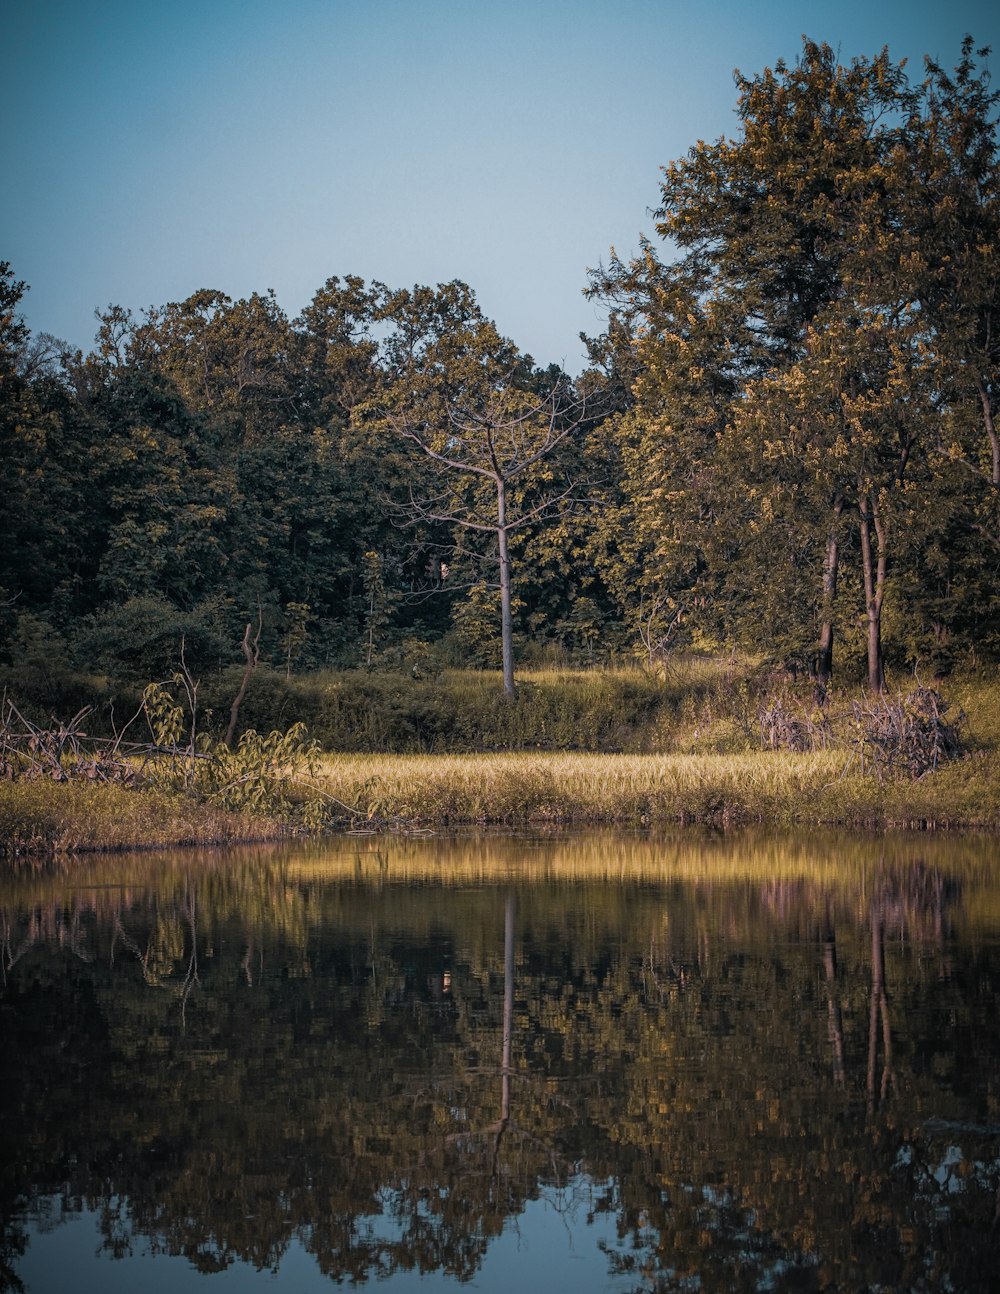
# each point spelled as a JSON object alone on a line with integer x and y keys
{"x": 66, "y": 817}
{"x": 641, "y": 790}
{"x": 609, "y": 746}
{"x": 460, "y": 710}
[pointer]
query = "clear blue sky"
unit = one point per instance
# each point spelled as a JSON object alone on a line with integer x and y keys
{"x": 151, "y": 148}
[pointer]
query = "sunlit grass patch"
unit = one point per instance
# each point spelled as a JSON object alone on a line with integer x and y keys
{"x": 47, "y": 816}
{"x": 511, "y": 789}
{"x": 704, "y": 761}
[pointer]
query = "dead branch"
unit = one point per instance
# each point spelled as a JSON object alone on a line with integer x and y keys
{"x": 251, "y": 651}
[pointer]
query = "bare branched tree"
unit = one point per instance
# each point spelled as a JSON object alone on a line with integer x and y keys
{"x": 494, "y": 445}
{"x": 488, "y": 428}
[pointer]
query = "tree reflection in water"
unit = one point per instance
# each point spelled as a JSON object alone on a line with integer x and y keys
{"x": 767, "y": 1083}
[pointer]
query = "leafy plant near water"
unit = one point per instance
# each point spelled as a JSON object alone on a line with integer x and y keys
{"x": 259, "y": 775}
{"x": 256, "y": 776}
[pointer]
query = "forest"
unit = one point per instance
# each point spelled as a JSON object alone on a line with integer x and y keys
{"x": 785, "y": 440}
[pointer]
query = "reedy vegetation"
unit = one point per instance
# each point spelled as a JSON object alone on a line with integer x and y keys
{"x": 712, "y": 764}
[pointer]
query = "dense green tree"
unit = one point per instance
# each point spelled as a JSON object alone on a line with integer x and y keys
{"x": 15, "y": 475}
{"x": 945, "y": 183}
{"x": 790, "y": 431}
{"x": 789, "y": 368}
{"x": 230, "y": 359}
{"x": 13, "y": 330}
{"x": 53, "y": 523}
{"x": 171, "y": 498}
{"x": 341, "y": 365}
{"x": 337, "y": 348}
{"x": 844, "y": 423}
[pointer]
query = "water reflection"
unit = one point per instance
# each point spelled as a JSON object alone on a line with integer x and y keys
{"x": 705, "y": 1064}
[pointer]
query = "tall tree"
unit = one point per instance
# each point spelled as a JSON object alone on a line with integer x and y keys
{"x": 791, "y": 324}
{"x": 946, "y": 185}
{"x": 53, "y": 519}
{"x": 945, "y": 256}
{"x": 461, "y": 395}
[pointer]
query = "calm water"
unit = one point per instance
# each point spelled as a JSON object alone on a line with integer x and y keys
{"x": 597, "y": 1063}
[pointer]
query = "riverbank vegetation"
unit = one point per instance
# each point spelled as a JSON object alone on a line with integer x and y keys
{"x": 712, "y": 754}
{"x": 775, "y": 491}
{"x": 720, "y": 745}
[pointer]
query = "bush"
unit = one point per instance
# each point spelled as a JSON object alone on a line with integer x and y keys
{"x": 458, "y": 710}
{"x": 141, "y": 637}
{"x": 40, "y": 671}
{"x": 906, "y": 734}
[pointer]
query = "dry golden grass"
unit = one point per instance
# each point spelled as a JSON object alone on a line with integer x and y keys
{"x": 707, "y": 783}
{"x": 37, "y": 816}
{"x": 777, "y": 787}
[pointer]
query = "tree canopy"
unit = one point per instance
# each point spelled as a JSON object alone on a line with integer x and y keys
{"x": 786, "y": 439}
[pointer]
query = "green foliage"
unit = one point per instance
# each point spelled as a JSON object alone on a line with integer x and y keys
{"x": 141, "y": 635}
{"x": 788, "y": 439}
{"x": 476, "y": 625}
{"x": 298, "y": 616}
{"x": 166, "y": 719}
{"x": 453, "y": 710}
{"x": 379, "y": 600}
{"x": 37, "y": 664}
{"x": 805, "y": 372}
{"x": 260, "y": 774}
{"x": 256, "y": 777}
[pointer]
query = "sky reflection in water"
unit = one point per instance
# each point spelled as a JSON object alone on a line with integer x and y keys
{"x": 599, "y": 1063}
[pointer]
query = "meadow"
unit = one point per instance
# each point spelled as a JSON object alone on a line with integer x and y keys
{"x": 714, "y": 741}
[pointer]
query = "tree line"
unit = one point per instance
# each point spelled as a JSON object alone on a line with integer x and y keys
{"x": 785, "y": 438}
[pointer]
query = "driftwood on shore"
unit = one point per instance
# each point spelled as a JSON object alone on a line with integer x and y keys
{"x": 65, "y": 751}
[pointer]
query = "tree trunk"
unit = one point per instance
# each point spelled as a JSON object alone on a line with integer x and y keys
{"x": 873, "y": 569}
{"x": 991, "y": 431}
{"x": 506, "y": 625}
{"x": 831, "y": 562}
{"x": 251, "y": 651}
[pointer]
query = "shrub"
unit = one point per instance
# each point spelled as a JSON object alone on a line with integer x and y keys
{"x": 905, "y": 734}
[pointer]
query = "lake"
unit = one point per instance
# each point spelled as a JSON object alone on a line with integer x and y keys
{"x": 597, "y": 1062}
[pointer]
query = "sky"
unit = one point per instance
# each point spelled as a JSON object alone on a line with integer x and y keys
{"x": 150, "y": 148}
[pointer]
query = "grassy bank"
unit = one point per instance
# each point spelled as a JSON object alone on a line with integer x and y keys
{"x": 778, "y": 787}
{"x": 52, "y": 817}
{"x": 695, "y": 753}
{"x": 447, "y": 712}
{"x": 698, "y": 757}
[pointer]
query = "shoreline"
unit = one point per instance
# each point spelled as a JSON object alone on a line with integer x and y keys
{"x": 396, "y": 794}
